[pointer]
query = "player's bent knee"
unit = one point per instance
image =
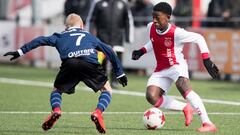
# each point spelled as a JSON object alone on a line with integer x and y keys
{"x": 182, "y": 81}
{"x": 107, "y": 87}
{"x": 152, "y": 94}
{"x": 183, "y": 84}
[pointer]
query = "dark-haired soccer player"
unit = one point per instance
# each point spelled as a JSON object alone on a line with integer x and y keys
{"x": 167, "y": 40}
{"x": 78, "y": 51}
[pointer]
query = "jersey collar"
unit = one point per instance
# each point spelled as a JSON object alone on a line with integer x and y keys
{"x": 162, "y": 33}
{"x": 74, "y": 27}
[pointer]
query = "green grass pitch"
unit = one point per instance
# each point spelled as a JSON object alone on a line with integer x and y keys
{"x": 23, "y": 107}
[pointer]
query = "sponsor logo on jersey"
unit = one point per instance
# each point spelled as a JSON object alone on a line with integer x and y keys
{"x": 168, "y": 42}
{"x": 169, "y": 56}
{"x": 84, "y": 52}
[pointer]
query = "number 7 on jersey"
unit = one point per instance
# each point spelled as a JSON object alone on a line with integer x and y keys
{"x": 80, "y": 36}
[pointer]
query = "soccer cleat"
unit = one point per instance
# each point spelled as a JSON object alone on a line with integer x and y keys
{"x": 98, "y": 120}
{"x": 51, "y": 120}
{"x": 188, "y": 113}
{"x": 207, "y": 127}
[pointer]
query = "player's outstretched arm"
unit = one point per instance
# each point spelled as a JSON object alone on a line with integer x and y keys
{"x": 211, "y": 68}
{"x": 14, "y": 55}
{"x": 39, "y": 41}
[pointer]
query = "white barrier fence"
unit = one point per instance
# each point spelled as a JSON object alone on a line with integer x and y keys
{"x": 12, "y": 37}
{"x": 7, "y": 37}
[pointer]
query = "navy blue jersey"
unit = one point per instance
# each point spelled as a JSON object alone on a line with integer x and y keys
{"x": 76, "y": 43}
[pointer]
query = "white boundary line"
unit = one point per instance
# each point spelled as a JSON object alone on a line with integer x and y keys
{"x": 122, "y": 92}
{"x": 111, "y": 113}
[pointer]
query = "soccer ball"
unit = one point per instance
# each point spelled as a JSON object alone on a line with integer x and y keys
{"x": 153, "y": 118}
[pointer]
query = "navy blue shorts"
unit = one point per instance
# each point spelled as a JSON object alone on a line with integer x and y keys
{"x": 72, "y": 71}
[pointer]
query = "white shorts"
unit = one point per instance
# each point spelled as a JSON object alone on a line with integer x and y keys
{"x": 166, "y": 77}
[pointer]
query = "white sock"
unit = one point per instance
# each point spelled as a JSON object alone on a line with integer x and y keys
{"x": 172, "y": 104}
{"x": 197, "y": 104}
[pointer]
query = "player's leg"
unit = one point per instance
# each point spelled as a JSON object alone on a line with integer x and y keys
{"x": 55, "y": 101}
{"x": 94, "y": 77}
{"x": 65, "y": 82}
{"x": 154, "y": 95}
{"x": 157, "y": 86}
{"x": 162, "y": 85}
{"x": 172, "y": 104}
{"x": 167, "y": 102}
{"x": 105, "y": 97}
{"x": 103, "y": 102}
{"x": 183, "y": 85}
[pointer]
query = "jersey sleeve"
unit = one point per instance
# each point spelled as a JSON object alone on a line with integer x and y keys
{"x": 147, "y": 47}
{"x": 184, "y": 36}
{"x": 149, "y": 25}
{"x": 39, "y": 41}
{"x": 110, "y": 54}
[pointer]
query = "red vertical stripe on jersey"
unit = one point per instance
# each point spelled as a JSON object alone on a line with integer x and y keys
{"x": 163, "y": 46}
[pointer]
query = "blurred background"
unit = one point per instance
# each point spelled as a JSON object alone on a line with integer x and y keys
{"x": 217, "y": 20}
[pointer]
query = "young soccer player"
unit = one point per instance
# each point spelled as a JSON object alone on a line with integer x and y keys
{"x": 167, "y": 40}
{"x": 78, "y": 51}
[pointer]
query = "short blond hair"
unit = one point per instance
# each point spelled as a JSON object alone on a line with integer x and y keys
{"x": 73, "y": 20}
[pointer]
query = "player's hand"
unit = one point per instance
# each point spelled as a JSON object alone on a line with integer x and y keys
{"x": 136, "y": 54}
{"x": 14, "y": 55}
{"x": 211, "y": 68}
{"x": 123, "y": 80}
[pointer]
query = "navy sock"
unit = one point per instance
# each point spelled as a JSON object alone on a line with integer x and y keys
{"x": 104, "y": 100}
{"x": 55, "y": 99}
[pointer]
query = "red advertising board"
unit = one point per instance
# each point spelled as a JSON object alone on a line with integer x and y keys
{"x": 224, "y": 46}
{"x": 26, "y": 34}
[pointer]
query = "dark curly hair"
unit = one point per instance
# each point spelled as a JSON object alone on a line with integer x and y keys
{"x": 163, "y": 7}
